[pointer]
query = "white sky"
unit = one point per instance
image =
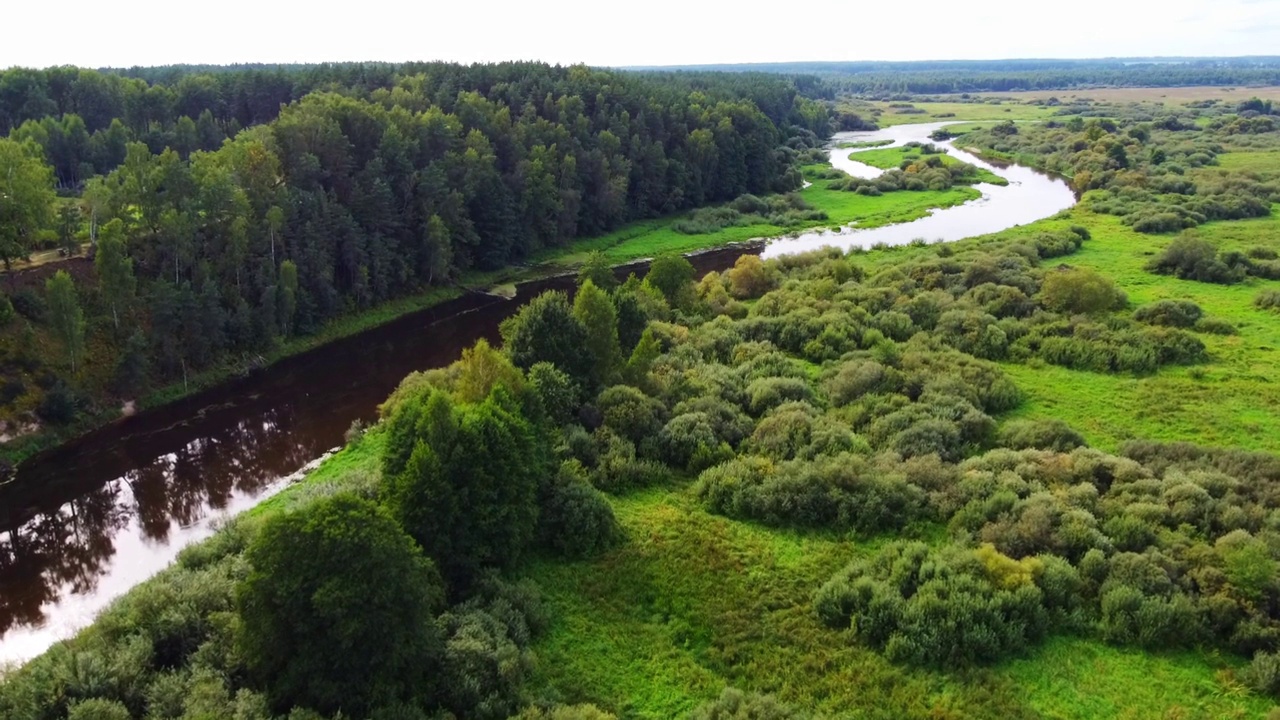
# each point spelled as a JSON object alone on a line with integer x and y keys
{"x": 638, "y": 32}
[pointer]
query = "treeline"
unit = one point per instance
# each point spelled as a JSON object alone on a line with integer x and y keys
{"x": 84, "y": 118}
{"x": 884, "y": 79}
{"x": 343, "y": 202}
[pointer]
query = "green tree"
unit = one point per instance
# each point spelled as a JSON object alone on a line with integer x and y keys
{"x": 594, "y": 310}
{"x": 545, "y": 330}
{"x": 68, "y": 225}
{"x": 115, "y": 270}
{"x": 338, "y": 609}
{"x": 288, "y": 296}
{"x": 462, "y": 480}
{"x": 647, "y": 350}
{"x": 672, "y": 275}
{"x": 65, "y": 315}
{"x": 597, "y": 269}
{"x": 26, "y": 198}
{"x": 133, "y": 367}
{"x": 438, "y": 252}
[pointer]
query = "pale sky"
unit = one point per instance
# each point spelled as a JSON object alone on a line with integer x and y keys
{"x": 640, "y": 32}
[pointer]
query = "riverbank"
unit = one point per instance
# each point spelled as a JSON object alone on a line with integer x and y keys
{"x": 635, "y": 241}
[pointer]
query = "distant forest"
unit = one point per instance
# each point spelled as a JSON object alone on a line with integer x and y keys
{"x": 958, "y": 76}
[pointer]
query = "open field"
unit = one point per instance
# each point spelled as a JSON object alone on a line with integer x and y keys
{"x": 954, "y": 111}
{"x": 1158, "y": 94}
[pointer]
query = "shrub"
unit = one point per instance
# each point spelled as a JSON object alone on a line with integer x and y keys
{"x": 767, "y": 393}
{"x": 1044, "y": 434}
{"x": 30, "y": 304}
{"x": 630, "y": 413}
{"x": 1215, "y": 326}
{"x": 688, "y": 436}
{"x": 1079, "y": 290}
{"x": 1263, "y": 674}
{"x": 750, "y": 277}
{"x": 482, "y": 666}
{"x": 98, "y": 709}
{"x": 1267, "y": 300}
{"x": 841, "y": 492}
{"x": 59, "y": 405}
{"x": 733, "y": 704}
{"x": 1170, "y": 313}
{"x": 1191, "y": 258}
{"x": 942, "y": 609}
{"x": 575, "y": 519}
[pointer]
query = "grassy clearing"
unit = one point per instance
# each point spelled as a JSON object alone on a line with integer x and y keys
{"x": 1170, "y": 95}
{"x": 693, "y": 602}
{"x": 889, "y": 158}
{"x": 940, "y": 111}
{"x": 1229, "y": 401}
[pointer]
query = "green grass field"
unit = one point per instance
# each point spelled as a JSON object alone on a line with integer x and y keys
{"x": 940, "y": 111}
{"x": 889, "y": 158}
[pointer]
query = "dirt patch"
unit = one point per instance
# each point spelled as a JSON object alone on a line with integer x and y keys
{"x": 81, "y": 270}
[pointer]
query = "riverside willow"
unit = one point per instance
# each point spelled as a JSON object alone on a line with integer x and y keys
{"x": 217, "y": 240}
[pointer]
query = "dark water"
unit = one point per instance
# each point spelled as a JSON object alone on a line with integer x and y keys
{"x": 83, "y": 524}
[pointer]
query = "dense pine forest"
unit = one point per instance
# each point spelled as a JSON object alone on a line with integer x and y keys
{"x": 227, "y": 212}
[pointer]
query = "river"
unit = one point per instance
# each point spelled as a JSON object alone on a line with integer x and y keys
{"x": 83, "y": 524}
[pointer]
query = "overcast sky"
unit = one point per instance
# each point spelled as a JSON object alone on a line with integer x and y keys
{"x": 652, "y": 32}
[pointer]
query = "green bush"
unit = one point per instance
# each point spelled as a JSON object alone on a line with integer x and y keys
{"x": 575, "y": 520}
{"x": 1045, "y": 434}
{"x": 1170, "y": 313}
{"x": 1079, "y": 290}
{"x": 630, "y": 413}
{"x": 1263, "y": 674}
{"x": 1267, "y": 300}
{"x": 1215, "y": 326}
{"x": 1194, "y": 259}
{"x": 946, "y": 610}
{"x": 733, "y": 704}
{"x": 840, "y": 492}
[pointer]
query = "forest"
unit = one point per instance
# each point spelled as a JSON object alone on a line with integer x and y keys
{"x": 1028, "y": 475}
{"x": 887, "y": 79}
{"x": 227, "y": 213}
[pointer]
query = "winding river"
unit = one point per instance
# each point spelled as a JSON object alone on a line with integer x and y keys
{"x": 83, "y": 524}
